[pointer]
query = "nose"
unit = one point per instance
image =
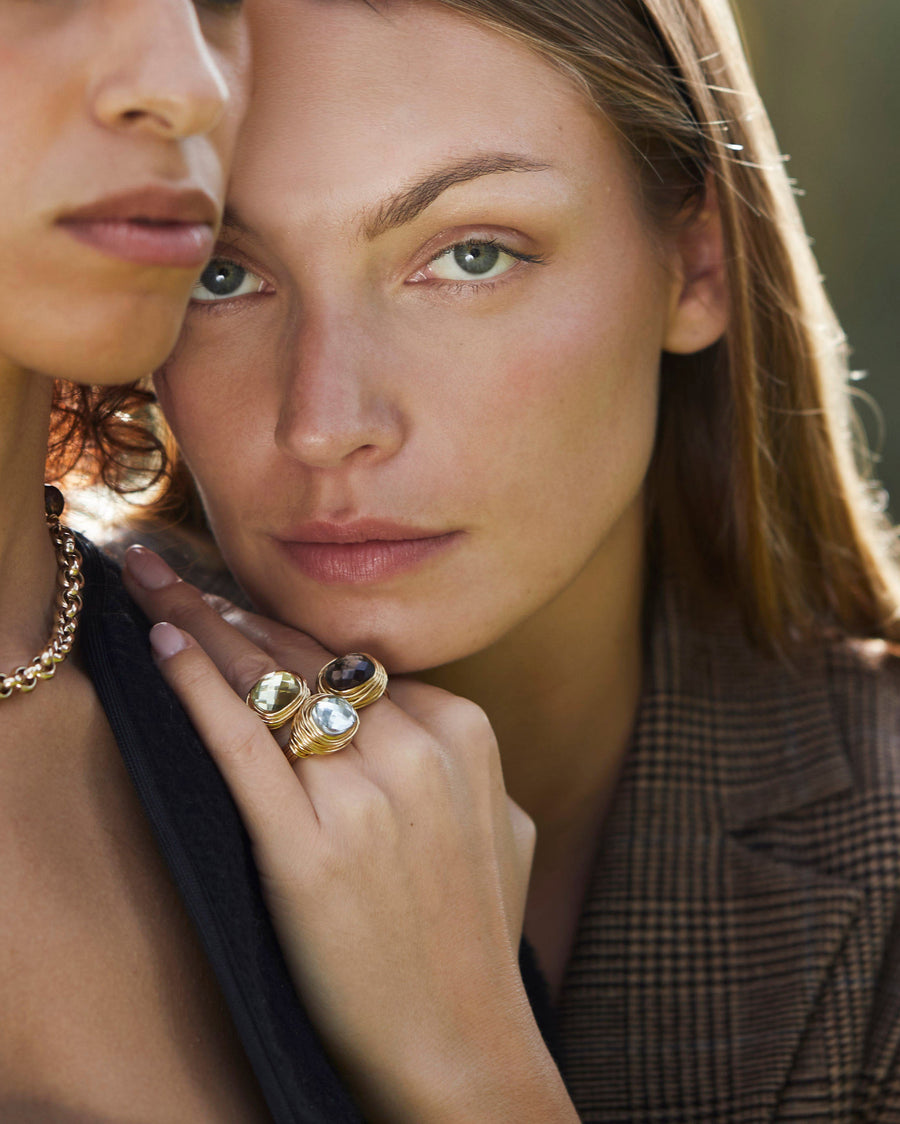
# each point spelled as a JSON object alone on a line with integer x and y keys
{"x": 160, "y": 76}
{"x": 337, "y": 408}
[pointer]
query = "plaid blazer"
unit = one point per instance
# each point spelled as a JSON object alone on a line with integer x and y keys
{"x": 738, "y": 957}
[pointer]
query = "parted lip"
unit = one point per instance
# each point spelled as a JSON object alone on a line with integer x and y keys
{"x": 359, "y": 531}
{"x": 149, "y": 205}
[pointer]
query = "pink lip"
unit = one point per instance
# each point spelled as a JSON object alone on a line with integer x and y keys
{"x": 363, "y": 552}
{"x": 152, "y": 226}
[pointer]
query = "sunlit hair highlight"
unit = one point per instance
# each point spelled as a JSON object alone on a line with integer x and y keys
{"x": 759, "y": 492}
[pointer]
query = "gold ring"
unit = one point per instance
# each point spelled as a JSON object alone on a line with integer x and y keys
{"x": 357, "y": 677}
{"x": 324, "y": 723}
{"x": 277, "y": 697}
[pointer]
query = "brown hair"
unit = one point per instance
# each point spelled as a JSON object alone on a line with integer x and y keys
{"x": 755, "y": 492}
{"x": 106, "y": 435}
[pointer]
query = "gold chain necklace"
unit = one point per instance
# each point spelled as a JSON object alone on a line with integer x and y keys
{"x": 68, "y": 604}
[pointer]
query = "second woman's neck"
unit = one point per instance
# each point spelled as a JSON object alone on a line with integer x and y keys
{"x": 562, "y": 689}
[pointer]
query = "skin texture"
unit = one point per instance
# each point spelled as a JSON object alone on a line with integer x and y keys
{"x": 110, "y": 1011}
{"x": 109, "y": 96}
{"x": 102, "y": 97}
{"x": 519, "y": 415}
{"x": 355, "y": 374}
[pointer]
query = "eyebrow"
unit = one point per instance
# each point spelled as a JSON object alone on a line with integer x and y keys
{"x": 408, "y": 204}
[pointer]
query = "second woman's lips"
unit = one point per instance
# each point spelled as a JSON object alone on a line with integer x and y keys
{"x": 151, "y": 226}
{"x": 352, "y": 558}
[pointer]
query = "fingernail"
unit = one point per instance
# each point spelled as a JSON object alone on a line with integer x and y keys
{"x": 166, "y": 640}
{"x": 148, "y": 569}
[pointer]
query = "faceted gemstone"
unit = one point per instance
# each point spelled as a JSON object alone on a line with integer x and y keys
{"x": 333, "y": 715}
{"x": 349, "y": 671}
{"x": 275, "y": 691}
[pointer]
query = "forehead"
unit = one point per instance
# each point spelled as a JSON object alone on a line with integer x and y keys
{"x": 351, "y": 100}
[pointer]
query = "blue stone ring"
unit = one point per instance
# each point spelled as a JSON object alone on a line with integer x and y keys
{"x": 358, "y": 678}
{"x": 323, "y": 724}
{"x": 327, "y": 721}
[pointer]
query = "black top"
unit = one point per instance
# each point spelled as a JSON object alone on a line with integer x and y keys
{"x": 208, "y": 852}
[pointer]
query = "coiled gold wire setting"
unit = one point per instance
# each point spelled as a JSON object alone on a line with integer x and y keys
{"x": 277, "y": 696}
{"x": 323, "y": 724}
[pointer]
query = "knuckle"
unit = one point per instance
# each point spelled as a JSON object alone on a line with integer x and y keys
{"x": 524, "y": 827}
{"x": 183, "y": 603}
{"x": 418, "y": 766}
{"x": 470, "y": 730}
{"x": 364, "y": 808}
{"x": 243, "y": 747}
{"x": 473, "y": 718}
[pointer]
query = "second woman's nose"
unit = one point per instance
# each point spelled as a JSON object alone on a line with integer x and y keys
{"x": 157, "y": 73}
{"x": 338, "y": 407}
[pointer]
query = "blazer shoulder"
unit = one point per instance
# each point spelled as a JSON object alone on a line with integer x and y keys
{"x": 863, "y": 684}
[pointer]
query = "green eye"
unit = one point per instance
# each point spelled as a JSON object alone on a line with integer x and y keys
{"x": 469, "y": 261}
{"x": 476, "y": 257}
{"x": 223, "y": 279}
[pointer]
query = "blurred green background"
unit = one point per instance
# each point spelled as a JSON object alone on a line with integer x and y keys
{"x": 829, "y": 72}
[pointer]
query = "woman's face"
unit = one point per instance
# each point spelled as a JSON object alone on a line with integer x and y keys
{"x": 118, "y": 125}
{"x": 418, "y": 384}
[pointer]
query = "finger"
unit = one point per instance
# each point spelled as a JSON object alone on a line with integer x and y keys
{"x": 384, "y": 732}
{"x": 163, "y": 596}
{"x": 279, "y": 640}
{"x": 271, "y": 802}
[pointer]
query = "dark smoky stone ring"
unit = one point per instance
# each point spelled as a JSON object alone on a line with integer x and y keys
{"x": 357, "y": 677}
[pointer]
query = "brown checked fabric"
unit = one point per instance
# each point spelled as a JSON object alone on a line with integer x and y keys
{"x": 738, "y": 957}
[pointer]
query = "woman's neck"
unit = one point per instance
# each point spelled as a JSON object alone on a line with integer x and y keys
{"x": 27, "y": 559}
{"x": 562, "y": 691}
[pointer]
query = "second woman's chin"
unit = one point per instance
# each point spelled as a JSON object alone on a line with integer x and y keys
{"x": 406, "y": 638}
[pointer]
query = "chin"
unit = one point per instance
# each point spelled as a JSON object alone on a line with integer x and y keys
{"x": 138, "y": 344}
{"x": 406, "y": 643}
{"x": 109, "y": 340}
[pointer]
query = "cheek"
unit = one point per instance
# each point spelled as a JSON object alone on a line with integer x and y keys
{"x": 214, "y": 410}
{"x": 559, "y": 409}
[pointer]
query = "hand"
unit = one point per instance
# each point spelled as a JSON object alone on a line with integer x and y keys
{"x": 395, "y": 870}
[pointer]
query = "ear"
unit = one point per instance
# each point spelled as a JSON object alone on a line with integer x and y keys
{"x": 698, "y": 315}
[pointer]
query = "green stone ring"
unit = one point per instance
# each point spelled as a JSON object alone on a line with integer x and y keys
{"x": 277, "y": 697}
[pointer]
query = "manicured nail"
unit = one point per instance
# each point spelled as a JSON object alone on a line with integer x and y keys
{"x": 148, "y": 569}
{"x": 166, "y": 640}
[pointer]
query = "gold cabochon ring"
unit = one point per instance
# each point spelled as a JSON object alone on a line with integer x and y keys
{"x": 324, "y": 724}
{"x": 277, "y": 696}
{"x": 357, "y": 677}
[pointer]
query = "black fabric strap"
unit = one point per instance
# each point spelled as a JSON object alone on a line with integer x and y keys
{"x": 208, "y": 852}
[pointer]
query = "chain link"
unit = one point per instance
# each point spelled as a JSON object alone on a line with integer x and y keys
{"x": 68, "y": 606}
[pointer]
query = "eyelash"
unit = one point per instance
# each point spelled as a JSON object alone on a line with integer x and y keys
{"x": 446, "y": 287}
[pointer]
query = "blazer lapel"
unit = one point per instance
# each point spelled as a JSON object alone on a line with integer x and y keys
{"x": 702, "y": 951}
